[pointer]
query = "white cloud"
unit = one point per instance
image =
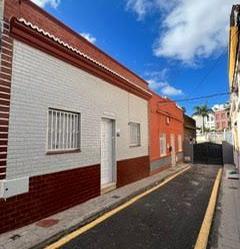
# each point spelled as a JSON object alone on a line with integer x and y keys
{"x": 171, "y": 91}
{"x": 141, "y": 7}
{"x": 160, "y": 75}
{"x": 43, "y": 3}
{"x": 164, "y": 88}
{"x": 189, "y": 29}
{"x": 89, "y": 37}
{"x": 156, "y": 85}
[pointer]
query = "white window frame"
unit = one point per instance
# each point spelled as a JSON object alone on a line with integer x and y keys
{"x": 163, "y": 144}
{"x": 137, "y": 138}
{"x": 179, "y": 143}
{"x": 63, "y": 131}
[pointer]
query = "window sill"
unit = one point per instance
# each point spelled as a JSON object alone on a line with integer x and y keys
{"x": 163, "y": 155}
{"x": 135, "y": 145}
{"x": 62, "y": 152}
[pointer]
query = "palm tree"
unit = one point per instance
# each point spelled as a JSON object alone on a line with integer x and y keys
{"x": 203, "y": 111}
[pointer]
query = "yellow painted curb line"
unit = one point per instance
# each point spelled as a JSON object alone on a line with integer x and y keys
{"x": 202, "y": 239}
{"x": 107, "y": 215}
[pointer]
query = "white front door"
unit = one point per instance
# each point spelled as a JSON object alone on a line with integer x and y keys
{"x": 107, "y": 151}
{"x": 173, "y": 151}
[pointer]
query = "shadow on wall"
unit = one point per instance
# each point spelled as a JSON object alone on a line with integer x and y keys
{"x": 187, "y": 152}
{"x": 236, "y": 156}
{"x": 228, "y": 155}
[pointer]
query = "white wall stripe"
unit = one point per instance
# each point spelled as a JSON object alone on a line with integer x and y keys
{"x": 5, "y": 93}
{"x": 9, "y": 62}
{"x": 9, "y": 43}
{"x": 3, "y": 86}
{"x": 5, "y": 99}
{"x": 9, "y": 49}
{"x": 10, "y": 56}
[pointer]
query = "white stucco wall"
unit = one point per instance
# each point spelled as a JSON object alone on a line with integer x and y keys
{"x": 209, "y": 121}
{"x": 41, "y": 81}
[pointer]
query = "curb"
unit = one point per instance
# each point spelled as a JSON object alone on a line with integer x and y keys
{"x": 97, "y": 214}
{"x": 202, "y": 240}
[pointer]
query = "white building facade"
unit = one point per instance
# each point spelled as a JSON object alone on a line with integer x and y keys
{"x": 209, "y": 122}
{"x": 74, "y": 122}
{"x": 234, "y": 80}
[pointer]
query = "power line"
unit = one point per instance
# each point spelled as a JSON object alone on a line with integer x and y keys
{"x": 212, "y": 68}
{"x": 204, "y": 97}
{"x": 195, "y": 98}
{"x": 214, "y": 65}
{"x": 203, "y": 79}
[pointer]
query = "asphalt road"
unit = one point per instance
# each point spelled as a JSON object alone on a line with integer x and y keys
{"x": 168, "y": 218}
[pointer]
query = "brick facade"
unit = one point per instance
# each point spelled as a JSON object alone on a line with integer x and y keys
{"x": 47, "y": 74}
{"x": 32, "y": 13}
{"x": 37, "y": 79}
{"x": 49, "y": 194}
{"x": 6, "y": 50}
{"x": 222, "y": 119}
{"x": 50, "y": 82}
{"x": 131, "y": 170}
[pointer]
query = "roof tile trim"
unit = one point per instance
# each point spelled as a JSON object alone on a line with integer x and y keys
{"x": 56, "y": 39}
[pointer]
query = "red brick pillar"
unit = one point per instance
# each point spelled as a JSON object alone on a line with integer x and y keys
{"x": 6, "y": 48}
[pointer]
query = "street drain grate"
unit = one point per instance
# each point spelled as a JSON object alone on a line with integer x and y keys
{"x": 15, "y": 237}
{"x": 234, "y": 188}
{"x": 115, "y": 196}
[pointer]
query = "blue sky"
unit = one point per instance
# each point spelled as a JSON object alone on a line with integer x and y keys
{"x": 178, "y": 46}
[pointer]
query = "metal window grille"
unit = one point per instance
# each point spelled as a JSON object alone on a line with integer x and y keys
{"x": 163, "y": 145}
{"x": 63, "y": 130}
{"x": 135, "y": 134}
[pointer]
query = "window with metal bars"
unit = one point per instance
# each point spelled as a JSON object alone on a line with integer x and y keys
{"x": 135, "y": 135}
{"x": 63, "y": 130}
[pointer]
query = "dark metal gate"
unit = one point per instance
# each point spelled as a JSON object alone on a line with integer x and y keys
{"x": 207, "y": 153}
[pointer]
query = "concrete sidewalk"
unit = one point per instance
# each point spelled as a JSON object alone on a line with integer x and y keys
{"x": 41, "y": 233}
{"x": 225, "y": 232}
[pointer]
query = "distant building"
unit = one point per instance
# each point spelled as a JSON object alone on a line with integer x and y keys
{"x": 222, "y": 116}
{"x": 189, "y": 129}
{"x": 209, "y": 122}
{"x": 217, "y": 120}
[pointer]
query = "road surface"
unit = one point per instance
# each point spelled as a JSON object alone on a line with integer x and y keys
{"x": 168, "y": 218}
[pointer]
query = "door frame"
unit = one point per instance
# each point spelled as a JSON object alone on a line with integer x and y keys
{"x": 173, "y": 151}
{"x": 114, "y": 162}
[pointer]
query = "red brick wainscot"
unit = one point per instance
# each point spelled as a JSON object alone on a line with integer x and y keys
{"x": 131, "y": 170}
{"x": 49, "y": 194}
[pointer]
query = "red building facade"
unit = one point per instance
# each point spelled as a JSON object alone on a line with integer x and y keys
{"x": 222, "y": 119}
{"x": 166, "y": 133}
